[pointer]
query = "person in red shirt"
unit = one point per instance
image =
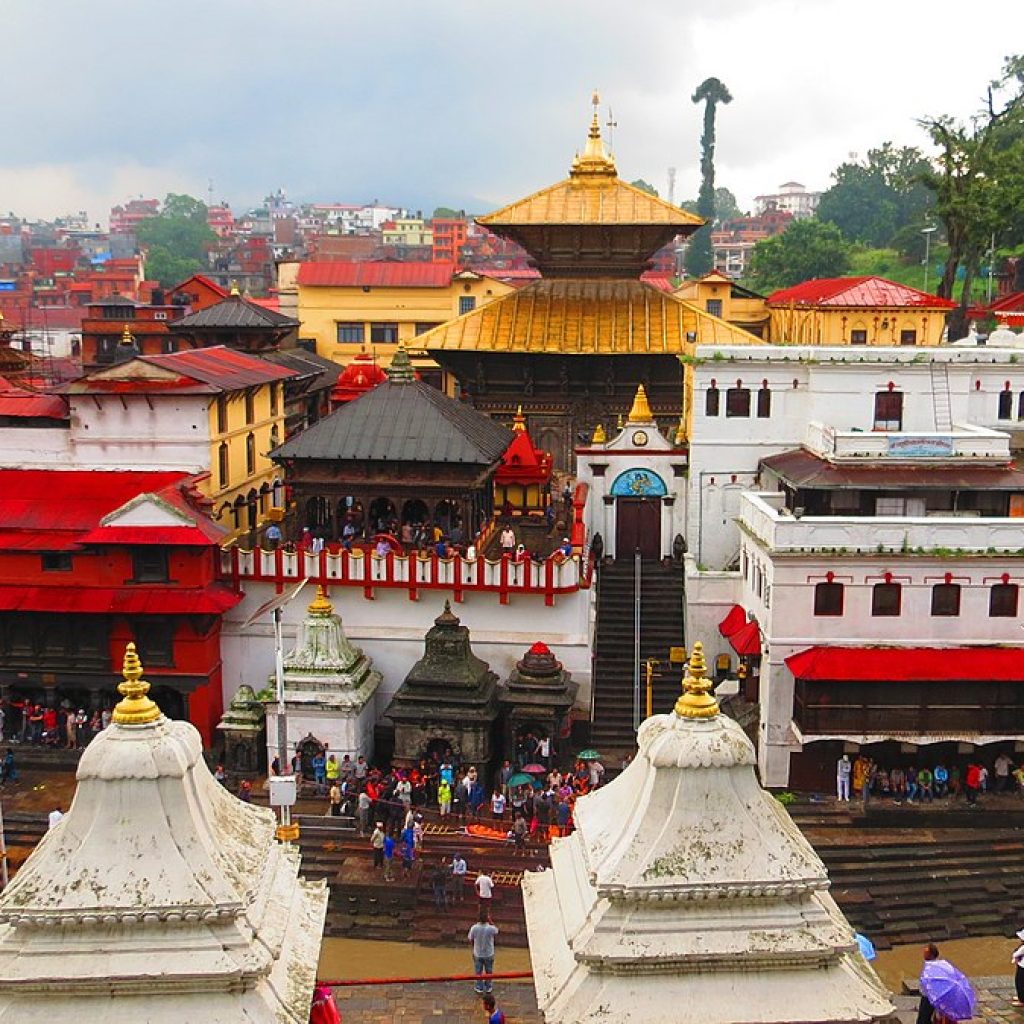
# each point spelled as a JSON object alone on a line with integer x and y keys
{"x": 972, "y": 783}
{"x": 50, "y": 725}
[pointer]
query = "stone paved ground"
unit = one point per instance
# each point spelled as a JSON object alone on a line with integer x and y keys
{"x": 441, "y": 1003}
{"x": 994, "y": 1006}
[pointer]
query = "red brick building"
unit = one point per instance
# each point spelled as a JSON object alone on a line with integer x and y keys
{"x": 91, "y": 560}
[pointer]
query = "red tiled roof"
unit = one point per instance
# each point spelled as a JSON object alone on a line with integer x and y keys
{"x": 1006, "y": 308}
{"x": 221, "y": 367}
{"x": 856, "y": 291}
{"x": 133, "y": 600}
{"x": 348, "y": 274}
{"x": 908, "y": 664}
{"x": 663, "y": 282}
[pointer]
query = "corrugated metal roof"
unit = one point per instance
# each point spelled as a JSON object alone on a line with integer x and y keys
{"x": 235, "y": 312}
{"x": 402, "y": 422}
{"x": 222, "y": 367}
{"x": 856, "y": 291}
{"x": 381, "y": 274}
{"x": 801, "y": 468}
{"x": 585, "y": 316}
{"x": 18, "y": 403}
{"x": 307, "y": 364}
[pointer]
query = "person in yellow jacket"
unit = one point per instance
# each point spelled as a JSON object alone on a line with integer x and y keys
{"x": 333, "y": 770}
{"x": 444, "y": 797}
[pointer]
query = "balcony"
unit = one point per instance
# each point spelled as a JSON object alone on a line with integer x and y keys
{"x": 964, "y": 441}
{"x": 763, "y": 518}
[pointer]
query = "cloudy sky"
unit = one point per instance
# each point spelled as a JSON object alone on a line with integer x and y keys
{"x": 462, "y": 102}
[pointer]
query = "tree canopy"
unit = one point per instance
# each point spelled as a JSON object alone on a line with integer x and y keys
{"x": 874, "y": 201}
{"x": 806, "y": 249}
{"x": 644, "y": 186}
{"x": 726, "y": 205}
{"x": 176, "y": 240}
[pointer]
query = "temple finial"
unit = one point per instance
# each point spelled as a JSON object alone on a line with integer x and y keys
{"x": 594, "y": 160}
{"x": 135, "y": 708}
{"x": 126, "y": 336}
{"x": 234, "y": 289}
{"x": 641, "y": 410}
{"x": 320, "y": 605}
{"x": 600, "y": 437}
{"x": 400, "y": 371}
{"x": 696, "y": 700}
{"x": 680, "y": 438}
{"x": 519, "y": 420}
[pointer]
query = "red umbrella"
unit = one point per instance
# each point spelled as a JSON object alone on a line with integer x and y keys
{"x": 534, "y": 769}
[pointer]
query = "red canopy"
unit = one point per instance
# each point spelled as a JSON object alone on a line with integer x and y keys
{"x": 736, "y": 619}
{"x": 747, "y": 639}
{"x": 909, "y": 664}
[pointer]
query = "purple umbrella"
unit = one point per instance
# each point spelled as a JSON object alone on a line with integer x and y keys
{"x": 947, "y": 989}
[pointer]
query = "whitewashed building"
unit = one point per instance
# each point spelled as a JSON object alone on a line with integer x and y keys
{"x": 865, "y": 551}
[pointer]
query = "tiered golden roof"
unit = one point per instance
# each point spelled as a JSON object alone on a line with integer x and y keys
{"x": 586, "y": 316}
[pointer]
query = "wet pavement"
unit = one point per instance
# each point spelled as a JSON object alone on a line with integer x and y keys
{"x": 440, "y": 1003}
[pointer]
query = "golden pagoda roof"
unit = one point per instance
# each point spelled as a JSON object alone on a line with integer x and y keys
{"x": 585, "y": 316}
{"x": 592, "y": 194}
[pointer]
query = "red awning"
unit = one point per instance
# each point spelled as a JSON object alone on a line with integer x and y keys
{"x": 736, "y": 619}
{"x": 909, "y": 664}
{"x": 747, "y": 639}
{"x": 140, "y": 600}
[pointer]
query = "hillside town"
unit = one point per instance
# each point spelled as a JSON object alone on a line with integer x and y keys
{"x": 593, "y": 605}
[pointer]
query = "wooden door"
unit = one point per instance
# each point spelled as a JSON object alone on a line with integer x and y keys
{"x": 638, "y": 525}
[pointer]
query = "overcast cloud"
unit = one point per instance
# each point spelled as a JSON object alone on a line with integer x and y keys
{"x": 469, "y": 103}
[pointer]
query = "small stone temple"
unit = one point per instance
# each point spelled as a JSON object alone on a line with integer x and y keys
{"x": 536, "y": 697}
{"x": 159, "y": 896}
{"x": 243, "y": 730}
{"x": 329, "y": 686}
{"x": 449, "y": 699}
{"x": 686, "y": 893}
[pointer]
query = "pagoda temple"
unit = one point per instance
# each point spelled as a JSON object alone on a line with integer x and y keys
{"x": 688, "y": 886}
{"x": 361, "y": 375}
{"x": 159, "y": 896}
{"x": 522, "y": 481}
{"x": 573, "y": 346}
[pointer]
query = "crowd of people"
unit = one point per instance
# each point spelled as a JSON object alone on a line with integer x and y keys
{"x": 925, "y": 782}
{"x": 64, "y": 726}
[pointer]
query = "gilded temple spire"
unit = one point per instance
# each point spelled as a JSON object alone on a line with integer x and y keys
{"x": 320, "y": 605}
{"x": 595, "y": 160}
{"x": 696, "y": 700}
{"x": 135, "y": 708}
{"x": 641, "y": 410}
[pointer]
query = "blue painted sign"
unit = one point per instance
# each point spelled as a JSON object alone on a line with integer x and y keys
{"x": 928, "y": 447}
{"x": 639, "y": 483}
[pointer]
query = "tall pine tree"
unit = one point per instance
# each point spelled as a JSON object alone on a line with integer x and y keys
{"x": 699, "y": 257}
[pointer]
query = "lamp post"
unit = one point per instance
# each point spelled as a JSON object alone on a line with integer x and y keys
{"x": 927, "y": 232}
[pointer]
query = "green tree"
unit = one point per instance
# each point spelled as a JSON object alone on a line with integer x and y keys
{"x": 447, "y": 213}
{"x": 978, "y": 182}
{"x": 176, "y": 240}
{"x": 699, "y": 256}
{"x": 726, "y": 205}
{"x": 644, "y": 186}
{"x": 806, "y": 249}
{"x": 870, "y": 202}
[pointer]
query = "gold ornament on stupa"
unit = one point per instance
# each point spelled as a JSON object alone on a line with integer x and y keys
{"x": 519, "y": 421}
{"x": 320, "y": 605}
{"x": 696, "y": 700}
{"x": 126, "y": 336}
{"x": 641, "y": 410}
{"x": 600, "y": 437}
{"x": 135, "y": 708}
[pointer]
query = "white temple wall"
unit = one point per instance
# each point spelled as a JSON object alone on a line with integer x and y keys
{"x": 390, "y": 630}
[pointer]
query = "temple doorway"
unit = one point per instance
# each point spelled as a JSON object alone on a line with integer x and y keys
{"x": 638, "y": 527}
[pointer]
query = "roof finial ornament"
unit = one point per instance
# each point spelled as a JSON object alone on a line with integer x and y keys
{"x": 136, "y": 708}
{"x": 696, "y": 700}
{"x": 400, "y": 371}
{"x": 519, "y": 420}
{"x": 600, "y": 437}
{"x": 641, "y": 410}
{"x": 680, "y": 438}
{"x": 594, "y": 160}
{"x": 234, "y": 289}
{"x": 126, "y": 336}
{"x": 320, "y": 605}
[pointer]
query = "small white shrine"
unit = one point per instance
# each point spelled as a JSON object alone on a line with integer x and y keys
{"x": 159, "y": 896}
{"x": 637, "y": 486}
{"x": 329, "y": 685}
{"x": 687, "y": 894}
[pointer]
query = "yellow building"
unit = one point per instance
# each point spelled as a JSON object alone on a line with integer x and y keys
{"x": 718, "y": 294}
{"x": 407, "y": 231}
{"x": 856, "y": 311}
{"x": 346, "y": 306}
{"x": 212, "y": 411}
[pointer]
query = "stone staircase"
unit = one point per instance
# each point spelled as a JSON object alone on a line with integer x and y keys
{"x": 661, "y": 627}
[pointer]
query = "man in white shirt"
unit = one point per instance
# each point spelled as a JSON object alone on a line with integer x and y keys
{"x": 458, "y": 877}
{"x": 484, "y": 889}
{"x": 55, "y": 815}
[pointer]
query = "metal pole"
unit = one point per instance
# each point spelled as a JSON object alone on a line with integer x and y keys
{"x": 636, "y": 640}
{"x": 991, "y": 265}
{"x": 282, "y": 726}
